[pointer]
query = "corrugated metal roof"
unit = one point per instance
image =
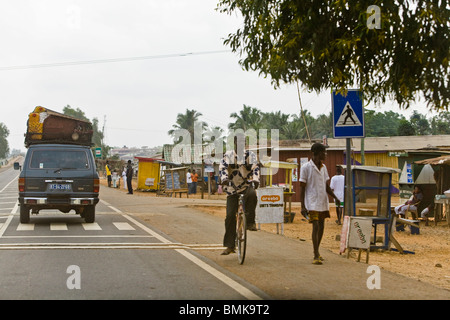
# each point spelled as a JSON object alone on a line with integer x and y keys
{"x": 435, "y": 161}
{"x": 397, "y": 143}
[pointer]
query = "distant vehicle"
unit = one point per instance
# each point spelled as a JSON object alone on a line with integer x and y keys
{"x": 59, "y": 170}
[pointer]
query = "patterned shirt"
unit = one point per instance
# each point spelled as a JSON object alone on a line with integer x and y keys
{"x": 240, "y": 172}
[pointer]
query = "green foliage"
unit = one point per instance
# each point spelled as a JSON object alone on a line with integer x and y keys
{"x": 327, "y": 44}
{"x": 4, "y": 146}
{"x": 97, "y": 137}
{"x": 187, "y": 121}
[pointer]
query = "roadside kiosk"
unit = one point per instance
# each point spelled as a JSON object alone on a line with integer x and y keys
{"x": 371, "y": 194}
{"x": 288, "y": 190}
{"x": 148, "y": 174}
{"x": 175, "y": 181}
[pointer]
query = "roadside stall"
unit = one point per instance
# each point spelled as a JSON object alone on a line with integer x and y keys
{"x": 289, "y": 167}
{"x": 371, "y": 194}
{"x": 441, "y": 166}
{"x": 175, "y": 181}
{"x": 148, "y": 174}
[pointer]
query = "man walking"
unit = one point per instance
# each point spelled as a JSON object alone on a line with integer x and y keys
{"x": 129, "y": 177}
{"x": 314, "y": 191}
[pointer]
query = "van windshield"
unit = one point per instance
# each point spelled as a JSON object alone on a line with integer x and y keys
{"x": 58, "y": 159}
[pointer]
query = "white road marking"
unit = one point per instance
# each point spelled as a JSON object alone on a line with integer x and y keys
{"x": 25, "y": 227}
{"x": 9, "y": 184}
{"x": 123, "y": 226}
{"x": 91, "y": 226}
{"x": 8, "y": 220}
{"x": 58, "y": 226}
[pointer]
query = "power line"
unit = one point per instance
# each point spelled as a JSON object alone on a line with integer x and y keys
{"x": 76, "y": 63}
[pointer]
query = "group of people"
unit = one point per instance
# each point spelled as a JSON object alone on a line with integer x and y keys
{"x": 239, "y": 173}
{"x": 127, "y": 176}
{"x": 412, "y": 204}
{"x": 192, "y": 179}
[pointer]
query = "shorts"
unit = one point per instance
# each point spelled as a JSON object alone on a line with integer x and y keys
{"x": 318, "y": 215}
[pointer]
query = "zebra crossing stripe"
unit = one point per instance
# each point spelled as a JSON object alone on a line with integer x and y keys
{"x": 63, "y": 226}
{"x": 123, "y": 226}
{"x": 58, "y": 226}
{"x": 91, "y": 226}
{"x": 25, "y": 227}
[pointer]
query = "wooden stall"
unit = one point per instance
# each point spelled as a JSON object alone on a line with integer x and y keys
{"x": 371, "y": 190}
{"x": 175, "y": 181}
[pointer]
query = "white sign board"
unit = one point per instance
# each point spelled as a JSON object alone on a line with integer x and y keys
{"x": 360, "y": 229}
{"x": 270, "y": 206}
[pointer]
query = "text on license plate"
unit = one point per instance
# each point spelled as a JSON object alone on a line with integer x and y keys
{"x": 58, "y": 186}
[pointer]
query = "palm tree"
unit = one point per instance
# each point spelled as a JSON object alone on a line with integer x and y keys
{"x": 189, "y": 122}
{"x": 293, "y": 130}
{"x": 275, "y": 120}
{"x": 248, "y": 118}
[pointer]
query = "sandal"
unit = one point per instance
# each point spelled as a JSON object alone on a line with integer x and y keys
{"x": 317, "y": 261}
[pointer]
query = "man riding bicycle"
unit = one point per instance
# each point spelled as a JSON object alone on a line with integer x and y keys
{"x": 239, "y": 173}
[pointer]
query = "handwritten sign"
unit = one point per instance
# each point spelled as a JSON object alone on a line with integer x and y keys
{"x": 360, "y": 229}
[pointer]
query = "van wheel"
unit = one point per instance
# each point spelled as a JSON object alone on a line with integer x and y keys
{"x": 24, "y": 214}
{"x": 89, "y": 214}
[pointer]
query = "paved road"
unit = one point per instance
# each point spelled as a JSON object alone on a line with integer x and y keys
{"x": 58, "y": 256}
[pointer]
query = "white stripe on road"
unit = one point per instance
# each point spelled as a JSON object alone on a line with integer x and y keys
{"x": 123, "y": 226}
{"x": 25, "y": 227}
{"x": 214, "y": 272}
{"x": 8, "y": 220}
{"x": 91, "y": 226}
{"x": 58, "y": 226}
{"x": 9, "y": 183}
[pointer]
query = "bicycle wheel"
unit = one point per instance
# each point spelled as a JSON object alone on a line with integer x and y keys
{"x": 241, "y": 236}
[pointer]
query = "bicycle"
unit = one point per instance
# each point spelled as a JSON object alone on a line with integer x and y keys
{"x": 241, "y": 227}
{"x": 241, "y": 230}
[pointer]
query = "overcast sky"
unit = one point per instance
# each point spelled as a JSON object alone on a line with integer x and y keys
{"x": 139, "y": 98}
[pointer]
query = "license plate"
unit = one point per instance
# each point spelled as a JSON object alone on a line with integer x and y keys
{"x": 59, "y": 186}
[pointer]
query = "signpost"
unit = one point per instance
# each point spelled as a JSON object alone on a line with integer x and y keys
{"x": 348, "y": 122}
{"x": 98, "y": 152}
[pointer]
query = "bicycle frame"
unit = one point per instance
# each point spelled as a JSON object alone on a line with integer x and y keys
{"x": 241, "y": 230}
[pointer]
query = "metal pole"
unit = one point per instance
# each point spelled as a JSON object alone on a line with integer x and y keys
{"x": 348, "y": 180}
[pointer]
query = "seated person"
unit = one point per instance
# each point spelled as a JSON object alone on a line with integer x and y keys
{"x": 411, "y": 204}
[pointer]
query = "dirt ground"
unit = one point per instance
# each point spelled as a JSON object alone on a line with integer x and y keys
{"x": 429, "y": 261}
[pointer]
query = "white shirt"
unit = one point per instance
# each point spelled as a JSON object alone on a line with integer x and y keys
{"x": 337, "y": 183}
{"x": 316, "y": 197}
{"x": 188, "y": 178}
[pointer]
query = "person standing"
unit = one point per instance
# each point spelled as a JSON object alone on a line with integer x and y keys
{"x": 240, "y": 167}
{"x": 194, "y": 177}
{"x": 108, "y": 174}
{"x": 337, "y": 184}
{"x": 189, "y": 180}
{"x": 314, "y": 191}
{"x": 124, "y": 177}
{"x": 129, "y": 177}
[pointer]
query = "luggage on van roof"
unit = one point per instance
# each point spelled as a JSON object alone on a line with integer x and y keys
{"x": 48, "y": 126}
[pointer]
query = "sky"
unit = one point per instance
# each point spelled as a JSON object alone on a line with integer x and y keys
{"x": 136, "y": 100}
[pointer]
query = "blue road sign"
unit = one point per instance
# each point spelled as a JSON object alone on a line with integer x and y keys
{"x": 348, "y": 114}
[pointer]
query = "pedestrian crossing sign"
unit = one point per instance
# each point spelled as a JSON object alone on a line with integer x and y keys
{"x": 348, "y": 114}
